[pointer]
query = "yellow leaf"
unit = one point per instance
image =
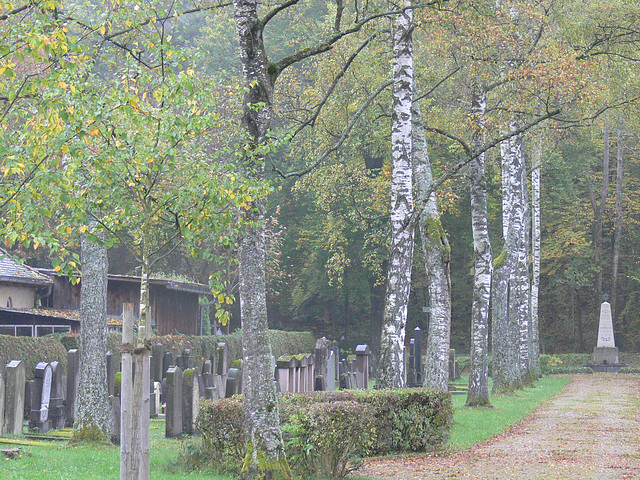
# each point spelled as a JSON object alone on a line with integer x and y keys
{"x": 68, "y": 230}
{"x": 94, "y": 132}
{"x": 84, "y": 228}
{"x": 36, "y": 244}
{"x": 103, "y": 30}
{"x": 58, "y": 268}
{"x": 63, "y": 85}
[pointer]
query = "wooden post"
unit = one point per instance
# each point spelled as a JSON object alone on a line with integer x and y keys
{"x": 135, "y": 426}
{"x": 126, "y": 394}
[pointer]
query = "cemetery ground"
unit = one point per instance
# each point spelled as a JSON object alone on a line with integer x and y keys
{"x": 591, "y": 430}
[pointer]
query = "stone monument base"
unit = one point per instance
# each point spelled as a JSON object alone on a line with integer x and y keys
{"x": 605, "y": 355}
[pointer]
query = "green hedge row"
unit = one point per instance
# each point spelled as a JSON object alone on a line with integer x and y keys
{"x": 326, "y": 433}
{"x": 32, "y": 350}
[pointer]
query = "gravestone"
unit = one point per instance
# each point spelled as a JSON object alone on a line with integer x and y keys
{"x": 190, "y": 400}
{"x": 114, "y": 419}
{"x": 411, "y": 369}
{"x": 234, "y": 378}
{"x": 173, "y": 397}
{"x": 73, "y": 375}
{"x": 14, "y": 399}
{"x": 111, "y": 372}
{"x": 157, "y": 360}
{"x": 332, "y": 367}
{"x": 41, "y": 398}
{"x": 56, "y": 406}
{"x": 454, "y": 371}
{"x": 363, "y": 354}
{"x": 417, "y": 336}
{"x": 188, "y": 358}
{"x": 605, "y": 353}
{"x": 221, "y": 351}
{"x": 180, "y": 362}
{"x": 167, "y": 361}
{"x": 322, "y": 363}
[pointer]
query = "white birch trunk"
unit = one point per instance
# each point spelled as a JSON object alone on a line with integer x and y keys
{"x": 534, "y": 337}
{"x": 436, "y": 250}
{"x": 478, "y": 393}
{"x": 391, "y": 360}
{"x": 93, "y": 409}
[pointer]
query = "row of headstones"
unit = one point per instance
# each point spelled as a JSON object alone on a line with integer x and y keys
{"x": 41, "y": 400}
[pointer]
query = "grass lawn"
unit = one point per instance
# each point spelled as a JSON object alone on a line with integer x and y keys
{"x": 58, "y": 461}
{"x": 474, "y": 425}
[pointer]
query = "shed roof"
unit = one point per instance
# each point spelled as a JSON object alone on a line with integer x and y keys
{"x": 14, "y": 272}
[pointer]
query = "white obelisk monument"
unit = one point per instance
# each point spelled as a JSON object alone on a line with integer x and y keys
{"x": 606, "y": 352}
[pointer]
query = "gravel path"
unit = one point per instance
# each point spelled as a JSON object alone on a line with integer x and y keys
{"x": 589, "y": 431}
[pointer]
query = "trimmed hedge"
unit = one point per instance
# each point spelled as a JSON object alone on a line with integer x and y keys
{"x": 327, "y": 432}
{"x": 32, "y": 350}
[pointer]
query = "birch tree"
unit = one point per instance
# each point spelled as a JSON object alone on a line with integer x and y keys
{"x": 436, "y": 252}
{"x": 478, "y": 393}
{"x": 391, "y": 360}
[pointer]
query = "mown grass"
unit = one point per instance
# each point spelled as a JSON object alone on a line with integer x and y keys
{"x": 59, "y": 461}
{"x": 473, "y": 425}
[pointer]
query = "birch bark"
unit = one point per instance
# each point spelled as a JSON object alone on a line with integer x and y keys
{"x": 436, "y": 250}
{"x": 92, "y": 422}
{"x": 534, "y": 336}
{"x": 391, "y": 360}
{"x": 478, "y": 393}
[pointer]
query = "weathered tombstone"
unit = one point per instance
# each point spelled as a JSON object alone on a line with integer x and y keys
{"x": 14, "y": 400}
{"x": 605, "y": 353}
{"x": 190, "y": 400}
{"x": 41, "y": 398}
{"x": 332, "y": 367}
{"x": 114, "y": 419}
{"x": 222, "y": 358}
{"x": 207, "y": 367}
{"x": 180, "y": 362}
{"x": 167, "y": 361}
{"x": 220, "y": 384}
{"x": 56, "y": 408}
{"x": 157, "y": 360}
{"x": 73, "y": 374}
{"x": 27, "y": 398}
{"x": 173, "y": 396}
{"x": 233, "y": 382}
{"x": 453, "y": 365}
{"x": 322, "y": 362}
{"x": 157, "y": 406}
{"x": 363, "y": 354}
{"x": 111, "y": 372}
{"x": 188, "y": 358}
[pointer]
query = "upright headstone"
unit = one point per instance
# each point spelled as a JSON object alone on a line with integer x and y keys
{"x": 167, "y": 361}
{"x": 233, "y": 382}
{"x": 605, "y": 353}
{"x": 56, "y": 409}
{"x": 222, "y": 358}
{"x": 41, "y": 398}
{"x": 73, "y": 374}
{"x": 322, "y": 362}
{"x": 188, "y": 358}
{"x": 363, "y": 354}
{"x": 331, "y": 371}
{"x": 417, "y": 336}
{"x": 157, "y": 360}
{"x": 411, "y": 368}
{"x": 14, "y": 402}
{"x": 114, "y": 419}
{"x": 111, "y": 372}
{"x": 173, "y": 397}
{"x": 190, "y": 400}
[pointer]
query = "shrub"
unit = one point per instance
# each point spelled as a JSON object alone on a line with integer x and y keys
{"x": 32, "y": 350}
{"x": 328, "y": 432}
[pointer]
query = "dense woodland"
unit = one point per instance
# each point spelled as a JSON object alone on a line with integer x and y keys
{"x": 370, "y": 166}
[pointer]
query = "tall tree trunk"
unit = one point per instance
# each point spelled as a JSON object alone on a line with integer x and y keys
{"x": 478, "y": 393}
{"x": 534, "y": 331}
{"x": 436, "y": 250}
{"x": 93, "y": 412}
{"x": 617, "y": 238}
{"x": 598, "y": 212}
{"x": 265, "y": 448}
{"x": 507, "y": 374}
{"x": 391, "y": 360}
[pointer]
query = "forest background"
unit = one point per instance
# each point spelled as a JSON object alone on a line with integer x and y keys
{"x": 328, "y": 229}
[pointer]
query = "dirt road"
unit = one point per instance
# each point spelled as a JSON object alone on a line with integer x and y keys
{"x": 589, "y": 431}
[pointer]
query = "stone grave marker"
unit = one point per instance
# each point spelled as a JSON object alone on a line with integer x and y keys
{"x": 233, "y": 382}
{"x": 363, "y": 355}
{"x": 114, "y": 419}
{"x": 111, "y": 372}
{"x": 605, "y": 353}
{"x": 157, "y": 360}
{"x": 222, "y": 359}
{"x": 190, "y": 400}
{"x": 167, "y": 361}
{"x": 173, "y": 397}
{"x": 56, "y": 407}
{"x": 41, "y": 398}
{"x": 14, "y": 399}
{"x": 73, "y": 375}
